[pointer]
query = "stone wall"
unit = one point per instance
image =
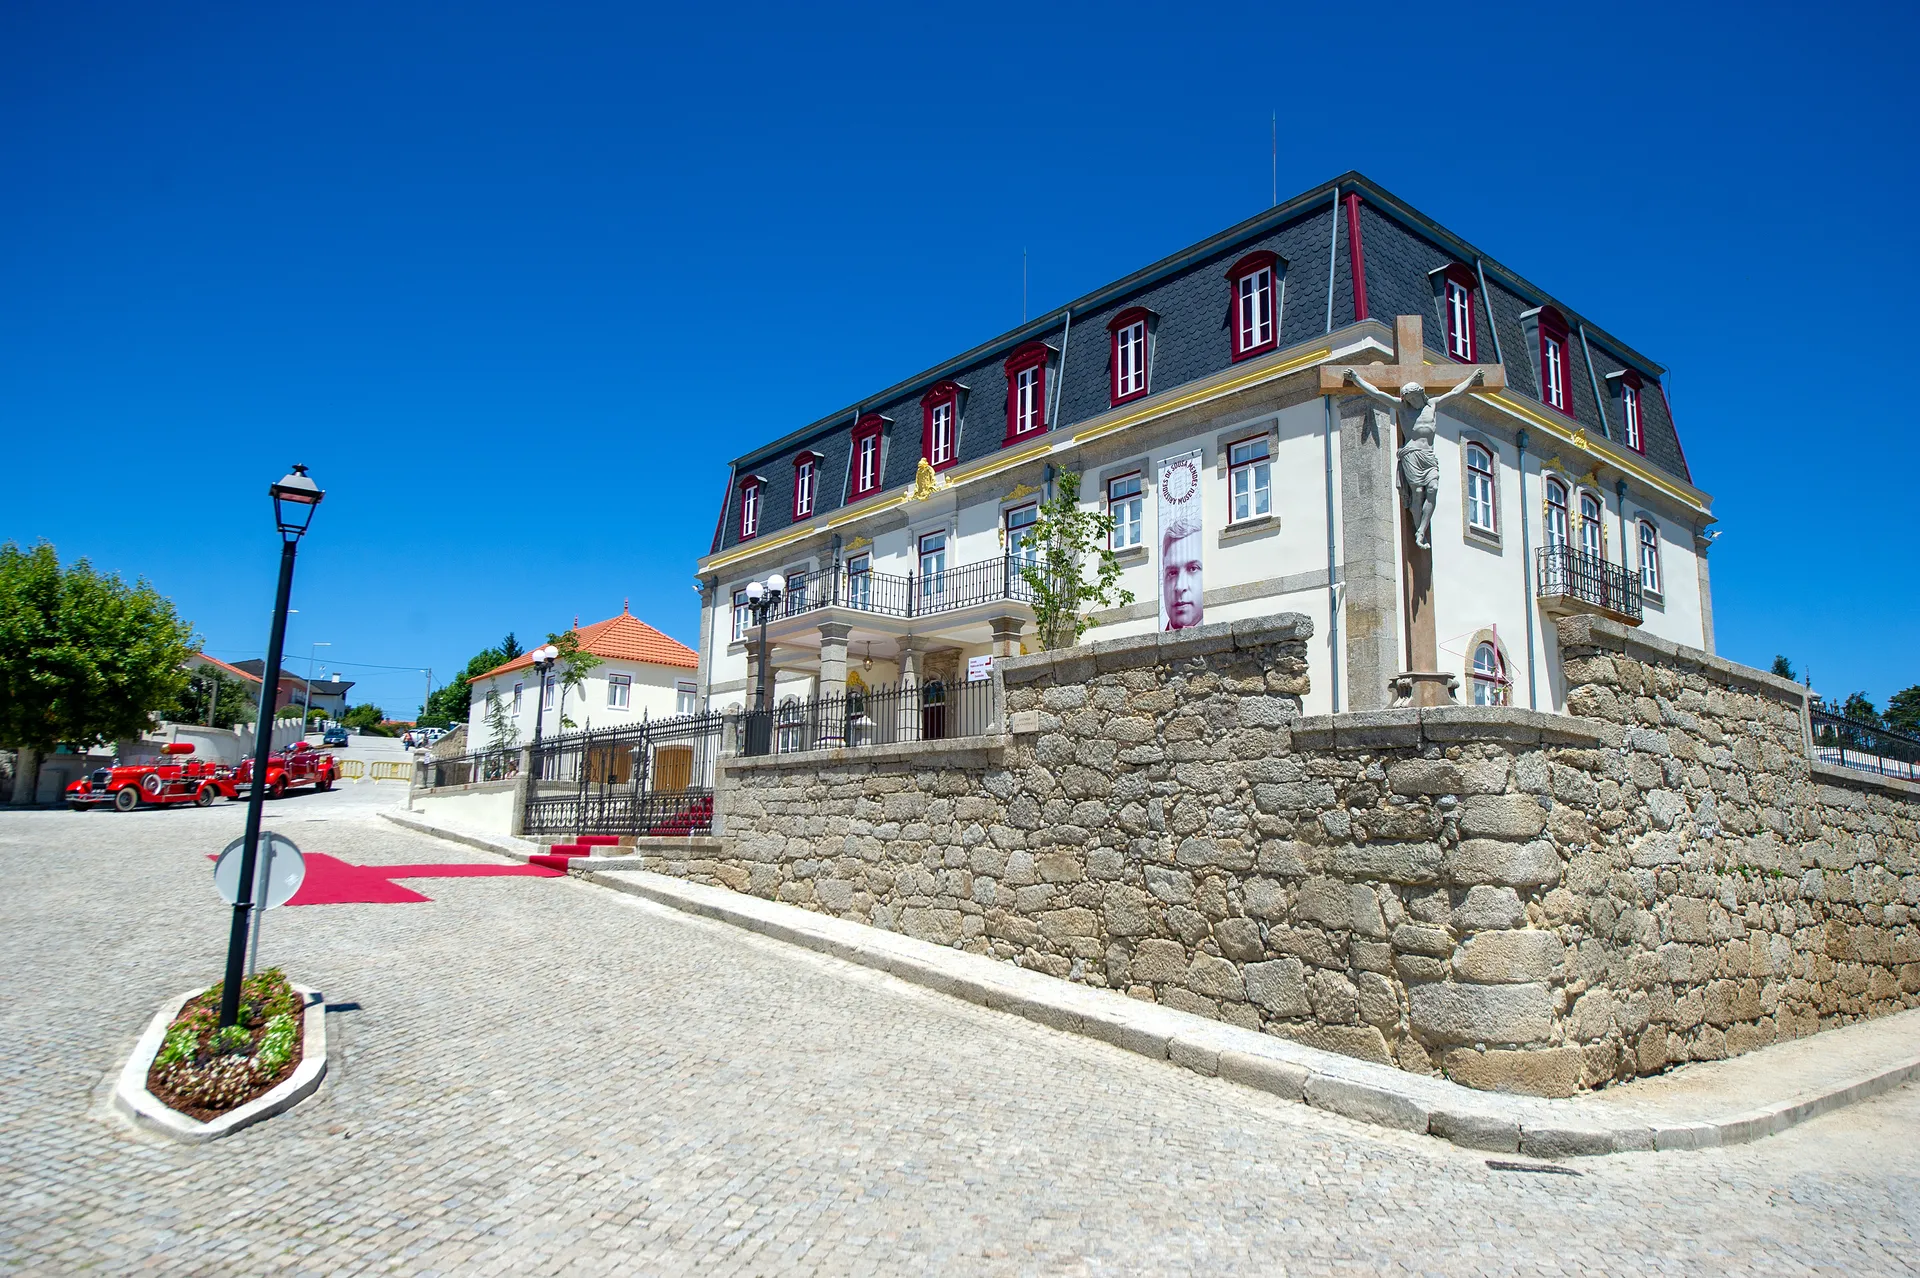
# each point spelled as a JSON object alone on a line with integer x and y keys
{"x": 1515, "y": 899}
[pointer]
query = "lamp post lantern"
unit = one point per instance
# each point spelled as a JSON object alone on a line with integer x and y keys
{"x": 295, "y": 498}
{"x": 762, "y": 598}
{"x": 543, "y": 659}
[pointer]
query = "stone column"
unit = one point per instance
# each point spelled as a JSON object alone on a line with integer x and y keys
{"x": 833, "y": 682}
{"x": 1006, "y": 636}
{"x": 1369, "y": 525}
{"x": 912, "y": 650}
{"x": 1701, "y": 545}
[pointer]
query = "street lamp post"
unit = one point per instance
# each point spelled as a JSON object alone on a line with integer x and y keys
{"x": 762, "y": 598}
{"x": 295, "y": 498}
{"x": 543, "y": 659}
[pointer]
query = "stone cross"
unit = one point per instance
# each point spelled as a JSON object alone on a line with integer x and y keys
{"x": 1411, "y": 389}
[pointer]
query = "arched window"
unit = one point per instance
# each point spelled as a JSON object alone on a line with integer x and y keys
{"x": 1556, "y": 513}
{"x": 1649, "y": 557}
{"x": 1481, "y": 512}
{"x": 1489, "y": 676}
{"x": 1590, "y": 526}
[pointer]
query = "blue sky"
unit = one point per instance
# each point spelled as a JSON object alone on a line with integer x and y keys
{"x": 517, "y": 281}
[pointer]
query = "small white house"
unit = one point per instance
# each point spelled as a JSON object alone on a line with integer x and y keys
{"x": 642, "y": 674}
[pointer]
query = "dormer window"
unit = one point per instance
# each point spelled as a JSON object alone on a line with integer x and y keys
{"x": 1253, "y": 281}
{"x": 1458, "y": 287}
{"x": 864, "y": 466}
{"x": 1554, "y": 363}
{"x": 940, "y": 425}
{"x": 1027, "y": 390}
{"x": 1129, "y": 329}
{"x": 752, "y": 499}
{"x": 806, "y": 484}
{"x": 1630, "y": 408}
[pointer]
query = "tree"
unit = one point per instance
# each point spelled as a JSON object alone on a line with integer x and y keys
{"x": 1053, "y": 563}
{"x": 453, "y": 703}
{"x": 84, "y": 657}
{"x": 502, "y": 732}
{"x": 1858, "y": 708}
{"x": 1903, "y": 711}
{"x": 289, "y": 711}
{"x": 216, "y": 699}
{"x": 571, "y": 668}
{"x": 362, "y": 717}
{"x": 1783, "y": 668}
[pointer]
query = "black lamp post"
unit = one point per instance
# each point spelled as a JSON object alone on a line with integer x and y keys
{"x": 295, "y": 498}
{"x": 543, "y": 659}
{"x": 762, "y": 599}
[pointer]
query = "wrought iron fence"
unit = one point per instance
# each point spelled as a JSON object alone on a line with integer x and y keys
{"x": 654, "y": 779}
{"x": 470, "y": 769}
{"x": 932, "y": 711}
{"x": 1565, "y": 572}
{"x": 1868, "y": 747}
{"x": 914, "y": 595}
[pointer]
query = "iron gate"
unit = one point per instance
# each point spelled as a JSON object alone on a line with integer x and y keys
{"x": 652, "y": 780}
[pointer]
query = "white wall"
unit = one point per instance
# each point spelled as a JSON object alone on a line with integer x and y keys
{"x": 652, "y": 695}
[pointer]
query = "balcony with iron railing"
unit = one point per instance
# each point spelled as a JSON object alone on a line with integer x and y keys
{"x": 1571, "y": 580}
{"x": 914, "y": 595}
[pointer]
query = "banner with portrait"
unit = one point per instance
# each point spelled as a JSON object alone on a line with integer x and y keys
{"x": 1181, "y": 542}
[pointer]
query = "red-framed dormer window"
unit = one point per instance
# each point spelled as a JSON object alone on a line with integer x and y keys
{"x": 1556, "y": 363}
{"x": 1633, "y": 428}
{"x": 806, "y": 484}
{"x": 1458, "y": 287}
{"x": 1254, "y": 290}
{"x": 1027, "y": 390}
{"x": 1129, "y": 329}
{"x": 863, "y": 478}
{"x": 940, "y": 425}
{"x": 753, "y": 494}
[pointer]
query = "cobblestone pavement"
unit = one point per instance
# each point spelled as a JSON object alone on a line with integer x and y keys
{"x": 533, "y": 1075}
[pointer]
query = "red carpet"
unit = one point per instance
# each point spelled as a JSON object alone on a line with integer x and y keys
{"x": 331, "y": 881}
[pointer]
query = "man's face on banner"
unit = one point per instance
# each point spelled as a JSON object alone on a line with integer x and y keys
{"x": 1180, "y": 577}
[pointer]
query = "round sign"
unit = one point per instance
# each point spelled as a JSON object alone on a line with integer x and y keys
{"x": 275, "y": 879}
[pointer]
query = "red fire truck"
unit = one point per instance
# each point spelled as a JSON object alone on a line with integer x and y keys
{"x": 164, "y": 784}
{"x": 298, "y": 765}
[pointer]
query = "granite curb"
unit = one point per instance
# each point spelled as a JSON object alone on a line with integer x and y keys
{"x": 518, "y": 849}
{"x": 1353, "y": 1088}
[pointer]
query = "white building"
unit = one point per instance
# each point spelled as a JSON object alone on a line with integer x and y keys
{"x": 643, "y": 674}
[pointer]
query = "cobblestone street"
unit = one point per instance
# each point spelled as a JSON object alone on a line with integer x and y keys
{"x": 534, "y": 1075}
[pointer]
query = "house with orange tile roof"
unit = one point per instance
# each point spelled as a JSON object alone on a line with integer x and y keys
{"x": 643, "y": 674}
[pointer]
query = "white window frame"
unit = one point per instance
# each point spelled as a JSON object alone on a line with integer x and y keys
{"x": 1127, "y": 510}
{"x": 1026, "y": 399}
{"x": 1553, "y": 360}
{"x": 940, "y": 445}
{"x": 1255, "y": 311}
{"x": 740, "y": 615}
{"x": 1460, "y": 315}
{"x": 1130, "y": 350}
{"x": 1649, "y": 557}
{"x": 547, "y": 697}
{"x": 1483, "y": 506}
{"x": 1256, "y": 502}
{"x": 1630, "y": 408}
{"x": 619, "y": 691}
{"x": 1490, "y": 682}
{"x": 686, "y": 696}
{"x": 867, "y": 476}
{"x": 750, "y": 499}
{"x": 1593, "y": 528}
{"x": 1019, "y": 541}
{"x": 516, "y": 698}
{"x": 807, "y": 478}
{"x": 1559, "y": 520}
{"x": 860, "y": 581}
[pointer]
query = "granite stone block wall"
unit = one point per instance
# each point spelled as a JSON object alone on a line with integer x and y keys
{"x": 1518, "y": 900}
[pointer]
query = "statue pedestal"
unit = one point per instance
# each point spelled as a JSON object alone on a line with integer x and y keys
{"x": 1423, "y": 688}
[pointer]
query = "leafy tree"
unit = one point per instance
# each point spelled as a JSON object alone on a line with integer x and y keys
{"x": 570, "y": 667}
{"x": 84, "y": 657}
{"x": 217, "y": 699}
{"x": 362, "y": 717}
{"x": 502, "y": 732}
{"x": 453, "y": 703}
{"x": 1857, "y": 707}
{"x": 1054, "y": 565}
{"x": 289, "y": 711}
{"x": 1903, "y": 711}
{"x": 1783, "y": 668}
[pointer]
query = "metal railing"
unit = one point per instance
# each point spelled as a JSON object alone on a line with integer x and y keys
{"x": 471, "y": 769}
{"x": 1866, "y": 747}
{"x": 655, "y": 779}
{"x": 1568, "y": 573}
{"x": 914, "y": 595}
{"x": 888, "y": 715}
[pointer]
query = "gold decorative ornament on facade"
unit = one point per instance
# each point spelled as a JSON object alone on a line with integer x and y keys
{"x": 858, "y": 543}
{"x": 1018, "y": 491}
{"x": 925, "y": 482}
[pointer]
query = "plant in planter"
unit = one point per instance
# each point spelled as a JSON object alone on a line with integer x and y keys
{"x": 203, "y": 1071}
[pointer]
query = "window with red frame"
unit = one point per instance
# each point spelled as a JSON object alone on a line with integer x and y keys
{"x": 1027, "y": 391}
{"x": 1255, "y": 310}
{"x": 1630, "y": 409}
{"x": 940, "y": 428}
{"x": 806, "y": 484}
{"x": 1457, "y": 294}
{"x": 1554, "y": 365}
{"x": 752, "y": 497}
{"x": 1129, "y": 329}
{"x": 865, "y": 462}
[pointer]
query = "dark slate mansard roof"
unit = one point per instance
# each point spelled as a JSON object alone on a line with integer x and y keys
{"x": 1188, "y": 295}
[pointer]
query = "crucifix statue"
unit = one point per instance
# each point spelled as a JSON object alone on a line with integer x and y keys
{"x": 1415, "y": 411}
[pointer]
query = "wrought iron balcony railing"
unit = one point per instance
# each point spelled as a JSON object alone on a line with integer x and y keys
{"x": 1867, "y": 747}
{"x": 914, "y": 595}
{"x": 1571, "y": 574}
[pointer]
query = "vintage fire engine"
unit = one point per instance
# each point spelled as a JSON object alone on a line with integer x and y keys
{"x": 165, "y": 784}
{"x": 300, "y": 764}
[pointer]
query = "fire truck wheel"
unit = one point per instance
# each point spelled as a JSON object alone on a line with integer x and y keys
{"x": 126, "y": 799}
{"x": 278, "y": 790}
{"x": 204, "y": 799}
{"x": 152, "y": 783}
{"x": 326, "y": 781}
